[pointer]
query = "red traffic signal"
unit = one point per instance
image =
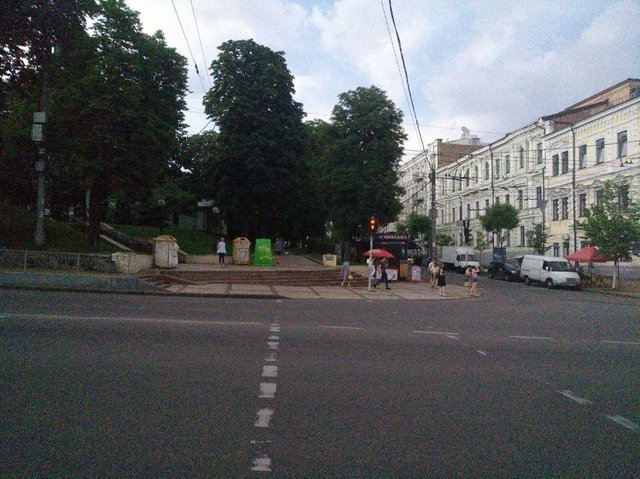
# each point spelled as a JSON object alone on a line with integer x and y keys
{"x": 373, "y": 223}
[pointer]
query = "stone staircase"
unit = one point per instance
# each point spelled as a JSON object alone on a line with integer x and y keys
{"x": 315, "y": 277}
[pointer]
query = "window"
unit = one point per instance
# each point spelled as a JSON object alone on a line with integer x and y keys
{"x": 486, "y": 205}
{"x": 582, "y": 156}
{"x": 623, "y": 198}
{"x": 468, "y": 210}
{"x": 540, "y": 155}
{"x": 520, "y": 200}
{"x": 477, "y": 209}
{"x": 555, "y": 210}
{"x": 599, "y": 197}
{"x": 523, "y": 237}
{"x": 507, "y": 238}
{"x": 538, "y": 194}
{"x": 565, "y": 248}
{"x": 453, "y": 215}
{"x": 600, "y": 150}
{"x": 498, "y": 169}
{"x": 565, "y": 162}
{"x": 556, "y": 249}
{"x": 622, "y": 144}
{"x": 582, "y": 204}
{"x": 507, "y": 165}
{"x": 486, "y": 171}
{"x": 521, "y": 157}
{"x": 497, "y": 200}
{"x": 555, "y": 165}
{"x": 507, "y": 199}
{"x": 565, "y": 208}
{"x": 441, "y": 217}
{"x": 475, "y": 174}
{"x": 466, "y": 178}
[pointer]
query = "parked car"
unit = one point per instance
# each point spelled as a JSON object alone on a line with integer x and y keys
{"x": 503, "y": 270}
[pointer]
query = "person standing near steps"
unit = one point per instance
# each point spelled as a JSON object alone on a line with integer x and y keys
{"x": 442, "y": 279}
{"x": 221, "y": 249}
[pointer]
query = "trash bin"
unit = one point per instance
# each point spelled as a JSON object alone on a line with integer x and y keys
{"x": 263, "y": 256}
{"x": 165, "y": 251}
{"x": 241, "y": 251}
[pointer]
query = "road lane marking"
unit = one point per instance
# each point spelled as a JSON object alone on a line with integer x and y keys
{"x": 544, "y": 338}
{"x": 271, "y": 358}
{"x": 135, "y": 319}
{"x": 267, "y": 390}
{"x": 262, "y": 464}
{"x": 481, "y": 352}
{"x": 437, "y": 332}
{"x": 264, "y": 417}
{"x": 624, "y": 422}
{"x": 273, "y": 345}
{"x": 622, "y": 342}
{"x": 269, "y": 371}
{"x": 340, "y": 327}
{"x": 450, "y": 336}
{"x": 274, "y": 338}
{"x": 274, "y": 328}
{"x": 574, "y": 397}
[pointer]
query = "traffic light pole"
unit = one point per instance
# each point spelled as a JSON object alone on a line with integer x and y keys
{"x": 370, "y": 259}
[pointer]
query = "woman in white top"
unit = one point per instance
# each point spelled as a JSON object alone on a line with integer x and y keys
{"x": 221, "y": 250}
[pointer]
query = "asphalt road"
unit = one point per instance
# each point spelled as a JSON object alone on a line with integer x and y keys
{"x": 522, "y": 382}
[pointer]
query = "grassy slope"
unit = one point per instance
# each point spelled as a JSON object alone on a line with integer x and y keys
{"x": 190, "y": 241}
{"x": 17, "y": 231}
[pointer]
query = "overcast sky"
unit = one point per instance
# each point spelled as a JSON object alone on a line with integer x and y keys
{"x": 492, "y": 66}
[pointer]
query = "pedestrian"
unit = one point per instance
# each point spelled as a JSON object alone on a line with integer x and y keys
{"x": 345, "y": 273}
{"x": 221, "y": 249}
{"x": 378, "y": 273}
{"x": 372, "y": 271}
{"x": 278, "y": 248}
{"x": 384, "y": 278}
{"x": 475, "y": 271}
{"x": 433, "y": 270}
{"x": 442, "y": 279}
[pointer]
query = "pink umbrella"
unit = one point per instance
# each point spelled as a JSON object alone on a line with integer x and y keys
{"x": 588, "y": 254}
{"x": 379, "y": 253}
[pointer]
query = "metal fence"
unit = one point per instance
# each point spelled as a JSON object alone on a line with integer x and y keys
{"x": 46, "y": 260}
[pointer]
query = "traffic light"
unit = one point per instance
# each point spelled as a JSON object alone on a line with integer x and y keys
{"x": 373, "y": 224}
{"x": 467, "y": 235}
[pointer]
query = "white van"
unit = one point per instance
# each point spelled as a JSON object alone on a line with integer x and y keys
{"x": 548, "y": 270}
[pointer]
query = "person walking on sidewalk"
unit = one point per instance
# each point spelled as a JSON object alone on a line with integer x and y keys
{"x": 442, "y": 279}
{"x": 433, "y": 270}
{"x": 221, "y": 249}
{"x": 473, "y": 290}
{"x": 345, "y": 273}
{"x": 278, "y": 248}
{"x": 384, "y": 278}
{"x": 372, "y": 271}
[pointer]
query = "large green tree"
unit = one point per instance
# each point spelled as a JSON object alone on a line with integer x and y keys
{"x": 613, "y": 224}
{"x": 539, "y": 239}
{"x": 360, "y": 164}
{"x": 259, "y": 175}
{"x": 419, "y": 226}
{"x": 498, "y": 219}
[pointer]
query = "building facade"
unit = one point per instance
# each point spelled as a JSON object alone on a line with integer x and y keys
{"x": 551, "y": 170}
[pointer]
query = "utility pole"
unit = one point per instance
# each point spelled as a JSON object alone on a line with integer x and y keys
{"x": 37, "y": 135}
{"x": 434, "y": 211}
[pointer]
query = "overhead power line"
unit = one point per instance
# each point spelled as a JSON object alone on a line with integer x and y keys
{"x": 195, "y": 64}
{"x": 204, "y": 59}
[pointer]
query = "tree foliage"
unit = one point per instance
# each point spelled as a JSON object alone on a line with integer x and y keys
{"x": 115, "y": 102}
{"x": 613, "y": 224}
{"x": 481, "y": 240}
{"x": 359, "y": 165}
{"x": 259, "y": 174}
{"x": 540, "y": 239}
{"x": 499, "y": 218}
{"x": 419, "y": 226}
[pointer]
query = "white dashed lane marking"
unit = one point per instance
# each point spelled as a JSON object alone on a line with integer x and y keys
{"x": 262, "y": 464}
{"x": 269, "y": 371}
{"x": 622, "y": 342}
{"x": 624, "y": 422}
{"x": 267, "y": 390}
{"x": 481, "y": 352}
{"x": 543, "y": 338}
{"x": 341, "y": 327}
{"x": 448, "y": 334}
{"x": 574, "y": 397}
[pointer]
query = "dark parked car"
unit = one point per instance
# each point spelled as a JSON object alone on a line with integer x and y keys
{"x": 505, "y": 270}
